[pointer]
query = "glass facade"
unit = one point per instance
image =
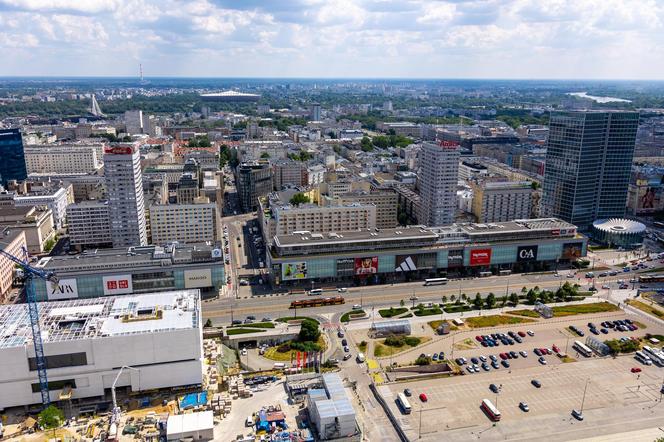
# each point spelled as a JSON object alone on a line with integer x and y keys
{"x": 587, "y": 165}
{"x": 12, "y": 166}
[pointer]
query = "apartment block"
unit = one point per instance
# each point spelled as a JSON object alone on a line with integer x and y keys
{"x": 184, "y": 223}
{"x": 500, "y": 201}
{"x": 88, "y": 224}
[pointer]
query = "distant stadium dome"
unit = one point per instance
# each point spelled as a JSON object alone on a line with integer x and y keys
{"x": 230, "y": 97}
{"x": 618, "y": 232}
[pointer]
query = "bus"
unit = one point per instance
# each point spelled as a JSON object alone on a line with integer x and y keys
{"x": 650, "y": 278}
{"x": 485, "y": 274}
{"x": 403, "y": 403}
{"x": 317, "y": 302}
{"x": 315, "y": 292}
{"x": 434, "y": 281}
{"x": 505, "y": 272}
{"x": 642, "y": 358}
{"x": 490, "y": 410}
{"x": 656, "y": 356}
{"x": 582, "y": 348}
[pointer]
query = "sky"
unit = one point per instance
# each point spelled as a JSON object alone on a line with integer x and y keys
{"x": 566, "y": 39}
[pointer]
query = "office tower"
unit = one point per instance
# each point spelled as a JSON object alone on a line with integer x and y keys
{"x": 124, "y": 186}
{"x": 588, "y": 164}
{"x": 254, "y": 180}
{"x": 437, "y": 181}
{"x": 133, "y": 121}
{"x": 314, "y": 112}
{"x": 12, "y": 166}
{"x": 499, "y": 201}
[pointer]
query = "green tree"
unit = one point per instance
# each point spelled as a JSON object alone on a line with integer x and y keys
{"x": 514, "y": 299}
{"x": 491, "y": 301}
{"x": 265, "y": 155}
{"x": 402, "y": 303}
{"x": 503, "y": 301}
{"x": 366, "y": 145}
{"x": 531, "y": 296}
{"x": 309, "y": 331}
{"x": 452, "y": 298}
{"x": 444, "y": 299}
{"x": 299, "y": 198}
{"x": 51, "y": 417}
{"x": 208, "y": 323}
{"x": 477, "y": 302}
{"x": 422, "y": 360}
{"x": 381, "y": 141}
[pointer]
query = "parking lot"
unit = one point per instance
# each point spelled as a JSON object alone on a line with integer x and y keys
{"x": 614, "y": 395}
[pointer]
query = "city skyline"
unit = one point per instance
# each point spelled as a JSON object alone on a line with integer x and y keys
{"x": 341, "y": 39}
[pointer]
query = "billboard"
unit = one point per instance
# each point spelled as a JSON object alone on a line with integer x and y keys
{"x": 572, "y": 250}
{"x": 480, "y": 257}
{"x": 293, "y": 270}
{"x": 117, "y": 285}
{"x": 366, "y": 266}
{"x": 64, "y": 289}
{"x": 119, "y": 150}
{"x": 406, "y": 263}
{"x": 197, "y": 278}
{"x": 649, "y": 199}
{"x": 526, "y": 253}
{"x": 455, "y": 258}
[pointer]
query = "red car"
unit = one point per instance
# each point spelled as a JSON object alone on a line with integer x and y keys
{"x": 503, "y": 356}
{"x": 636, "y": 370}
{"x": 522, "y": 334}
{"x": 478, "y": 338}
{"x": 423, "y": 397}
{"x": 555, "y": 348}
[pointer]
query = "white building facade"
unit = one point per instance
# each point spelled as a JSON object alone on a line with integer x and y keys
{"x": 57, "y": 202}
{"x": 439, "y": 171}
{"x": 87, "y": 341}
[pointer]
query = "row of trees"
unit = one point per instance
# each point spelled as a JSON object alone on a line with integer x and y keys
{"x": 384, "y": 141}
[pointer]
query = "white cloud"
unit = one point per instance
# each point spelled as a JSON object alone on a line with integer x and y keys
{"x": 495, "y": 38}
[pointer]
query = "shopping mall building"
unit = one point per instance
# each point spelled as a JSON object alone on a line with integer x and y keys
{"x": 134, "y": 270}
{"x": 416, "y": 252}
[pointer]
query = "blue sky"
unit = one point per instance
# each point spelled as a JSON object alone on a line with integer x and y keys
{"x": 615, "y": 39}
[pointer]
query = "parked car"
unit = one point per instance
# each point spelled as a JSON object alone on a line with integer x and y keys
{"x": 423, "y": 397}
{"x": 494, "y": 388}
{"x": 635, "y": 370}
{"x": 524, "y": 406}
{"x": 347, "y": 356}
{"x": 505, "y": 364}
{"x": 577, "y": 414}
{"x": 542, "y": 361}
{"x": 523, "y": 353}
{"x": 536, "y": 383}
{"x": 538, "y": 352}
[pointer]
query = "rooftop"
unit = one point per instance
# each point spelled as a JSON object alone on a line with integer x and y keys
{"x": 230, "y": 94}
{"x": 306, "y": 237}
{"x": 101, "y": 317}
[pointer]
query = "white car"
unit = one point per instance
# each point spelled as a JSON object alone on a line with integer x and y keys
{"x": 530, "y": 333}
{"x": 357, "y": 307}
{"x": 342, "y": 290}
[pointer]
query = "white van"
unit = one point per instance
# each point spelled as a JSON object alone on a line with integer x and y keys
{"x": 249, "y": 422}
{"x": 279, "y": 366}
{"x": 360, "y": 357}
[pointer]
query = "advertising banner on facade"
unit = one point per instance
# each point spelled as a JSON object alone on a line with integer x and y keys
{"x": 366, "y": 266}
{"x": 480, "y": 257}
{"x": 197, "y": 278}
{"x": 455, "y": 258}
{"x": 649, "y": 199}
{"x": 64, "y": 289}
{"x": 572, "y": 250}
{"x": 345, "y": 267}
{"x": 406, "y": 263}
{"x": 117, "y": 285}
{"x": 526, "y": 253}
{"x": 293, "y": 270}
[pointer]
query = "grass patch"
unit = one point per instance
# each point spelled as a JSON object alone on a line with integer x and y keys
{"x": 435, "y": 324}
{"x": 274, "y": 354}
{"x": 409, "y": 315}
{"x": 494, "y": 320}
{"x": 455, "y": 308}
{"x": 362, "y": 346}
{"x": 427, "y": 311}
{"x": 567, "y": 359}
{"x": 582, "y": 309}
{"x": 255, "y": 325}
{"x": 651, "y": 310}
{"x": 353, "y": 313}
{"x": 241, "y": 331}
{"x": 293, "y": 318}
{"x": 525, "y": 312}
{"x": 382, "y": 349}
{"x": 391, "y": 312}
{"x": 639, "y": 324}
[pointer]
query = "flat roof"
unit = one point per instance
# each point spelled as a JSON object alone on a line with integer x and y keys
{"x": 127, "y": 258}
{"x": 190, "y": 422}
{"x": 101, "y": 317}
{"x": 308, "y": 238}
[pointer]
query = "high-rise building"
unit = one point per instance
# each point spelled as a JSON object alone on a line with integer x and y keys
{"x": 133, "y": 121}
{"x": 12, "y": 166}
{"x": 500, "y": 201}
{"x": 124, "y": 186}
{"x": 254, "y": 180}
{"x": 588, "y": 164}
{"x": 314, "y": 112}
{"x": 437, "y": 181}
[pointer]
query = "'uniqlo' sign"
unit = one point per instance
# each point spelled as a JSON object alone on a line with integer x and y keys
{"x": 117, "y": 285}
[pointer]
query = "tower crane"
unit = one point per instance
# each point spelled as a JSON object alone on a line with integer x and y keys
{"x": 31, "y": 272}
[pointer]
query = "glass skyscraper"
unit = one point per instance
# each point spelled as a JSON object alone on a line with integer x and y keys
{"x": 588, "y": 164}
{"x": 12, "y": 159}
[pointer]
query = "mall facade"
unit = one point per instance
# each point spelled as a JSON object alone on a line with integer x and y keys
{"x": 416, "y": 252}
{"x": 134, "y": 270}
